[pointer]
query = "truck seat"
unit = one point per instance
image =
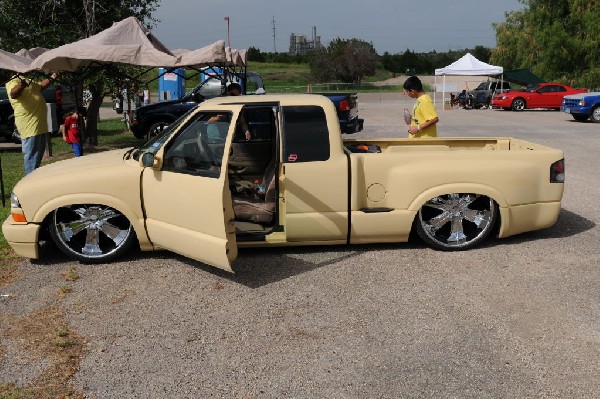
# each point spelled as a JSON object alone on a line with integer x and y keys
{"x": 256, "y": 208}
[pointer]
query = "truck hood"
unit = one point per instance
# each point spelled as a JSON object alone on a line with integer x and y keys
{"x": 78, "y": 165}
{"x": 185, "y": 99}
{"x": 580, "y": 96}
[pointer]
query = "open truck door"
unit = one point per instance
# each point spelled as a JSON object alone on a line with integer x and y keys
{"x": 186, "y": 193}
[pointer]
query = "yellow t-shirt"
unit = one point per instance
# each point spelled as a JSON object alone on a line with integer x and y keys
{"x": 30, "y": 109}
{"x": 424, "y": 110}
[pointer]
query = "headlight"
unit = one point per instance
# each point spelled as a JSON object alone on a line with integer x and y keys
{"x": 14, "y": 201}
{"x": 582, "y": 103}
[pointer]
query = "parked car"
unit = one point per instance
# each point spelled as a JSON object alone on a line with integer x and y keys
{"x": 543, "y": 95}
{"x": 202, "y": 190}
{"x": 482, "y": 95}
{"x": 583, "y": 106}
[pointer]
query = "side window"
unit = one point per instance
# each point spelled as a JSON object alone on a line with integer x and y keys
{"x": 306, "y": 134}
{"x": 198, "y": 148}
{"x": 559, "y": 89}
{"x": 258, "y": 121}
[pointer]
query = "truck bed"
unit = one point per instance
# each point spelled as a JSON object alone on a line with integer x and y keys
{"x": 440, "y": 144}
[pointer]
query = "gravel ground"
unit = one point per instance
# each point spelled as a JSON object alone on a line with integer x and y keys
{"x": 517, "y": 317}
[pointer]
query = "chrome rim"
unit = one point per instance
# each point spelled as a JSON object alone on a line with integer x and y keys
{"x": 457, "y": 220}
{"x": 91, "y": 231}
{"x": 519, "y": 105}
{"x": 596, "y": 114}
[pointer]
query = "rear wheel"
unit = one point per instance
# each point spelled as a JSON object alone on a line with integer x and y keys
{"x": 518, "y": 104}
{"x": 91, "y": 233}
{"x": 456, "y": 221}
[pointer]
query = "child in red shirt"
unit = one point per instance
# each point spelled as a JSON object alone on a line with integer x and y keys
{"x": 72, "y": 131}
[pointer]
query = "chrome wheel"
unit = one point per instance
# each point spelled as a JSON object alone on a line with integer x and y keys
{"x": 456, "y": 221}
{"x": 595, "y": 117}
{"x": 518, "y": 104}
{"x": 91, "y": 233}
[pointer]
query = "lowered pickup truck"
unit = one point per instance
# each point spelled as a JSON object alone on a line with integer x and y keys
{"x": 201, "y": 190}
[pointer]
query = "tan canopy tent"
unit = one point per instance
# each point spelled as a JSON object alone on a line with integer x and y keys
{"x": 126, "y": 42}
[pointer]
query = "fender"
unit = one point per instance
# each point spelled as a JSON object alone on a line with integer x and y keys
{"x": 135, "y": 216}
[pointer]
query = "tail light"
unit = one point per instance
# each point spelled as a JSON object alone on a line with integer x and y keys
{"x": 557, "y": 172}
{"x": 344, "y": 105}
{"x": 58, "y": 96}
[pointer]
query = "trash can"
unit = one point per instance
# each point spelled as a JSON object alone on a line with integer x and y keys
{"x": 171, "y": 85}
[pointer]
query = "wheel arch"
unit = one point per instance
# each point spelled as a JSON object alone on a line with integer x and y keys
{"x": 135, "y": 216}
{"x": 472, "y": 188}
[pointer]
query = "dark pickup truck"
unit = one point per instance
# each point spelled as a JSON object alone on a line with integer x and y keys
{"x": 149, "y": 120}
{"x": 346, "y": 105}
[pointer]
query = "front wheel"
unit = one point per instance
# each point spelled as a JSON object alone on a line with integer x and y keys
{"x": 456, "y": 221}
{"x": 518, "y": 104}
{"x": 157, "y": 128}
{"x": 595, "y": 117}
{"x": 91, "y": 233}
{"x": 580, "y": 117}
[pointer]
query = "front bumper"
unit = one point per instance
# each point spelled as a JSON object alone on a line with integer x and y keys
{"x": 22, "y": 237}
{"x": 575, "y": 109}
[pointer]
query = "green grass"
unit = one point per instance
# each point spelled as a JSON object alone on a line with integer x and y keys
{"x": 111, "y": 134}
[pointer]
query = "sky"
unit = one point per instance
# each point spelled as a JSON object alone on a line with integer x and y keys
{"x": 391, "y": 25}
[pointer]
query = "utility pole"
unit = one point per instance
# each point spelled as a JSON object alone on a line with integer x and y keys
{"x": 274, "y": 45}
{"x": 228, "y": 38}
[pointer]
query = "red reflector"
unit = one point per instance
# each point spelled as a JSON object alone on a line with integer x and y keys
{"x": 344, "y": 105}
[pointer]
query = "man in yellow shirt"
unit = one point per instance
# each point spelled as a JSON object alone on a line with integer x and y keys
{"x": 29, "y": 107}
{"x": 424, "y": 116}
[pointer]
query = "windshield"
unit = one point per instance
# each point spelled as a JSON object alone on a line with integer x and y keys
{"x": 532, "y": 88}
{"x": 154, "y": 144}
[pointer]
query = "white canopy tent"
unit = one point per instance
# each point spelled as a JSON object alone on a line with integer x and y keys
{"x": 467, "y": 65}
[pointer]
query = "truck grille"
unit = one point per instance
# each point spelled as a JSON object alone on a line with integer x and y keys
{"x": 571, "y": 102}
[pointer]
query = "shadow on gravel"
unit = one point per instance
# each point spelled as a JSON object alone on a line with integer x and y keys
{"x": 256, "y": 267}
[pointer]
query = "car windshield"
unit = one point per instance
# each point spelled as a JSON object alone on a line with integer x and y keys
{"x": 532, "y": 88}
{"x": 157, "y": 141}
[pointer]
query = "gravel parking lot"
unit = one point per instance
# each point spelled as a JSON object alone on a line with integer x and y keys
{"x": 519, "y": 317}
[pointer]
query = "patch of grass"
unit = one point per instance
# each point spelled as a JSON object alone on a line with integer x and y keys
{"x": 71, "y": 275}
{"x": 45, "y": 336}
{"x": 65, "y": 289}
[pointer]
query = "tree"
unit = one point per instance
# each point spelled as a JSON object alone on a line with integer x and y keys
{"x": 345, "y": 60}
{"x": 52, "y": 23}
{"x": 555, "y": 39}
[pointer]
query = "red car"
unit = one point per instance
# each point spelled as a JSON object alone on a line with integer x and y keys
{"x": 543, "y": 95}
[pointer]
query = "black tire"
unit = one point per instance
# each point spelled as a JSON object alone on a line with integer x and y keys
{"x": 156, "y": 128}
{"x": 91, "y": 233}
{"x": 455, "y": 222}
{"x": 595, "y": 116}
{"x": 580, "y": 117}
{"x": 518, "y": 104}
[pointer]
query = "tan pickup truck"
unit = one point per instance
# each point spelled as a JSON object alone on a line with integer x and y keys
{"x": 274, "y": 171}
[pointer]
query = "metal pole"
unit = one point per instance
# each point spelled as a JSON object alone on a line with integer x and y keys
{"x": 2, "y": 184}
{"x": 228, "y": 38}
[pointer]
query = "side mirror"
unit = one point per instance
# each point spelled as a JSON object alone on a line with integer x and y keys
{"x": 148, "y": 160}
